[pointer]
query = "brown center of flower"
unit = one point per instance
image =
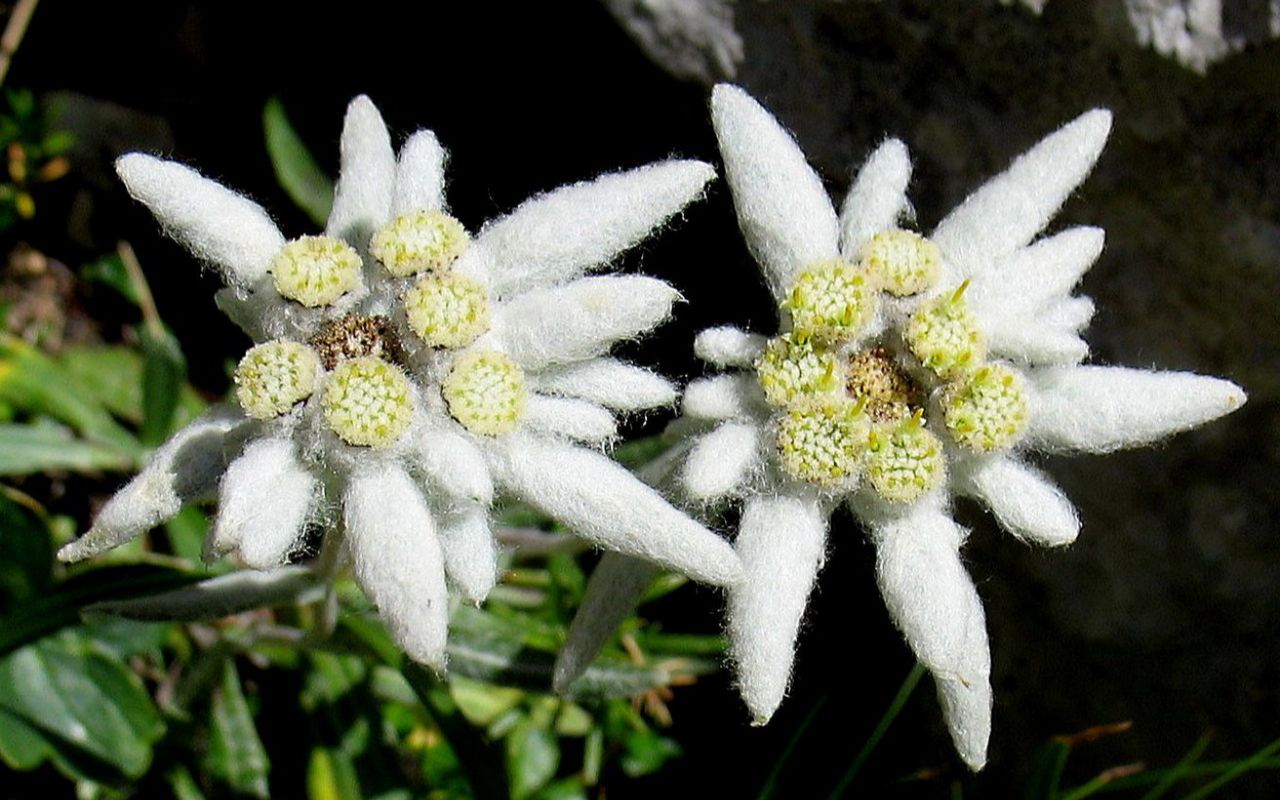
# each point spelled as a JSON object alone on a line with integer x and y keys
{"x": 889, "y": 393}
{"x": 356, "y": 336}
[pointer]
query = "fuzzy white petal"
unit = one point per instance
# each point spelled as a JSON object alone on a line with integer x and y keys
{"x": 783, "y": 209}
{"x": 720, "y": 397}
{"x": 470, "y": 552}
{"x": 603, "y": 503}
{"x": 609, "y": 382}
{"x": 1036, "y": 275}
{"x": 454, "y": 466}
{"x": 185, "y": 468}
{"x": 582, "y": 319}
{"x": 727, "y": 346}
{"x": 263, "y": 506}
{"x": 1023, "y": 499}
{"x": 559, "y": 235}
{"x": 615, "y": 588}
{"x": 781, "y": 541}
{"x": 1028, "y": 341}
{"x": 570, "y": 418}
{"x": 878, "y": 197}
{"x": 1098, "y": 409}
{"x": 397, "y": 560}
{"x": 366, "y": 176}
{"x": 1011, "y": 208}
{"x": 933, "y": 602}
{"x": 721, "y": 461}
{"x": 1071, "y": 313}
{"x": 226, "y": 229}
{"x": 420, "y": 175}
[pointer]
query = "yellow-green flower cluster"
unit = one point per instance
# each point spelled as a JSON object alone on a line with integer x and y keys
{"x": 367, "y": 402}
{"x": 485, "y": 391}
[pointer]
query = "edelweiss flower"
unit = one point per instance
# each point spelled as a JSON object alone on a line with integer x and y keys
{"x": 906, "y": 371}
{"x": 404, "y": 372}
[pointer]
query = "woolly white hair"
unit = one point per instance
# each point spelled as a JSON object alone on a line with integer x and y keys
{"x": 1019, "y": 292}
{"x": 415, "y": 513}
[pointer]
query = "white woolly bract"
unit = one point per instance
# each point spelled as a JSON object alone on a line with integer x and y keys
{"x": 420, "y": 175}
{"x": 1071, "y": 313}
{"x": 721, "y": 461}
{"x": 615, "y": 588}
{"x": 1011, "y": 208}
{"x": 185, "y": 468}
{"x": 1022, "y": 498}
{"x": 392, "y": 541}
{"x": 721, "y": 397}
{"x": 470, "y": 552}
{"x": 607, "y": 381}
{"x": 781, "y": 541}
{"x": 878, "y": 197}
{"x": 559, "y": 235}
{"x": 1036, "y": 275}
{"x": 569, "y": 418}
{"x": 1027, "y": 340}
{"x": 454, "y": 465}
{"x": 582, "y": 319}
{"x": 226, "y": 229}
{"x": 932, "y": 601}
{"x": 785, "y": 214}
{"x": 366, "y": 177}
{"x": 1098, "y": 409}
{"x": 263, "y": 506}
{"x": 603, "y": 503}
{"x": 727, "y": 346}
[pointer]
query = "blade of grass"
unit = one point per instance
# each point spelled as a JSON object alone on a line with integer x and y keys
{"x": 767, "y": 790}
{"x": 1178, "y": 771}
{"x": 482, "y": 764}
{"x": 891, "y": 713}
{"x": 1240, "y": 768}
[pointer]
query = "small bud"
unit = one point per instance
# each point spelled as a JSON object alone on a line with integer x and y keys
{"x": 823, "y": 443}
{"x": 901, "y": 262}
{"x": 420, "y": 241}
{"x": 945, "y": 336}
{"x": 793, "y": 370}
{"x": 367, "y": 402}
{"x": 485, "y": 391}
{"x": 316, "y": 270}
{"x": 273, "y": 376}
{"x": 906, "y": 461}
{"x": 447, "y": 310}
{"x": 830, "y": 301}
{"x": 988, "y": 411}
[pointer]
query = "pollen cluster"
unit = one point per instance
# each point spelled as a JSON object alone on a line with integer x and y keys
{"x": 906, "y": 461}
{"x": 367, "y": 402}
{"x": 901, "y": 262}
{"x": 316, "y": 270}
{"x": 823, "y": 443}
{"x": 485, "y": 392}
{"x": 987, "y": 411}
{"x": 945, "y": 336}
{"x": 419, "y": 241}
{"x": 793, "y": 370}
{"x": 830, "y": 302}
{"x": 447, "y": 310}
{"x": 274, "y": 376}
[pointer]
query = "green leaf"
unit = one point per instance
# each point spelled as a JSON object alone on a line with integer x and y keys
{"x": 331, "y": 776}
{"x": 646, "y": 752}
{"x": 236, "y": 755}
{"x": 187, "y": 533}
{"x": 482, "y": 703}
{"x": 330, "y": 677}
{"x": 25, "y": 449}
{"x": 111, "y": 375}
{"x": 163, "y": 374}
{"x": 480, "y": 763}
{"x": 533, "y": 755}
{"x": 110, "y": 271}
{"x": 564, "y": 789}
{"x": 183, "y": 785}
{"x": 633, "y": 455}
{"x": 223, "y": 596}
{"x": 75, "y": 694}
{"x": 22, "y": 746}
{"x": 296, "y": 169}
{"x": 61, "y": 606}
{"x": 26, "y": 555}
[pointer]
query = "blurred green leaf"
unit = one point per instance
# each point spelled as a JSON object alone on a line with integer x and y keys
{"x": 564, "y": 789}
{"x": 330, "y": 677}
{"x": 215, "y": 598}
{"x": 163, "y": 374}
{"x": 481, "y": 764}
{"x": 109, "y": 270}
{"x": 25, "y": 449}
{"x": 646, "y": 752}
{"x": 236, "y": 754}
{"x": 26, "y": 555}
{"x": 331, "y": 776}
{"x": 573, "y": 720}
{"x": 73, "y": 693}
{"x": 482, "y": 703}
{"x": 635, "y": 454}
{"x": 295, "y": 167}
{"x": 187, "y": 533}
{"x": 112, "y": 375}
{"x": 183, "y": 785}
{"x": 533, "y": 755}
{"x": 593, "y": 757}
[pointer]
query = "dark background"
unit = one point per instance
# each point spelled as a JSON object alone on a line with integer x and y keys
{"x": 1165, "y": 611}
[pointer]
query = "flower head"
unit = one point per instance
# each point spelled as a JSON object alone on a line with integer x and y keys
{"x": 968, "y": 359}
{"x": 404, "y": 370}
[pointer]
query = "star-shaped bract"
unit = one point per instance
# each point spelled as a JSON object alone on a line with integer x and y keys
{"x": 405, "y": 373}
